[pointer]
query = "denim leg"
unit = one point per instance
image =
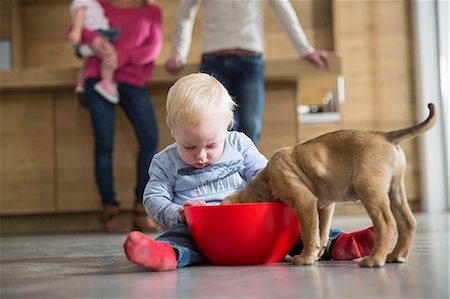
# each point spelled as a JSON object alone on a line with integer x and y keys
{"x": 219, "y": 67}
{"x": 334, "y": 233}
{"x": 180, "y": 238}
{"x": 243, "y": 77}
{"x": 248, "y": 90}
{"x": 102, "y": 118}
{"x": 137, "y": 105}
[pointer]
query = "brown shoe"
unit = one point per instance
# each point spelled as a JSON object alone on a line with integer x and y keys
{"x": 143, "y": 223}
{"x": 111, "y": 220}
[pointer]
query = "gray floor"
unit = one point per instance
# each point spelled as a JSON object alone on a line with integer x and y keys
{"x": 93, "y": 266}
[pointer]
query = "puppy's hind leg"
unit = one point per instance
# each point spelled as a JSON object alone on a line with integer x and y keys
{"x": 406, "y": 223}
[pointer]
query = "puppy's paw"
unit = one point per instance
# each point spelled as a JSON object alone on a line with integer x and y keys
{"x": 395, "y": 258}
{"x": 226, "y": 201}
{"x": 371, "y": 262}
{"x": 322, "y": 251}
{"x": 231, "y": 199}
{"x": 303, "y": 260}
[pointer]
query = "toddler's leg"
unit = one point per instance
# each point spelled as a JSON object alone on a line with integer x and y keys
{"x": 107, "y": 88}
{"x": 79, "y": 88}
{"x": 154, "y": 255}
{"x": 343, "y": 245}
{"x": 352, "y": 245}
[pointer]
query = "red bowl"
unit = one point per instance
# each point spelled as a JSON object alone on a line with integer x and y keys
{"x": 243, "y": 234}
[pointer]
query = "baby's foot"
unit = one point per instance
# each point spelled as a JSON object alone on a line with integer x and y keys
{"x": 154, "y": 255}
{"x": 349, "y": 246}
{"x": 108, "y": 90}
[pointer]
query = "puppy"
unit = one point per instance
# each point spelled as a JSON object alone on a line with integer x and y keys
{"x": 345, "y": 165}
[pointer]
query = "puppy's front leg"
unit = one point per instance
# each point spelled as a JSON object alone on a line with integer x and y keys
{"x": 305, "y": 207}
{"x": 325, "y": 216}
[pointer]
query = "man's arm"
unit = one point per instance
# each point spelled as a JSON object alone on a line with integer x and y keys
{"x": 289, "y": 21}
{"x": 182, "y": 35}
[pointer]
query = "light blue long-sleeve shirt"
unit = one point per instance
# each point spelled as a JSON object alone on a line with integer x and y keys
{"x": 172, "y": 181}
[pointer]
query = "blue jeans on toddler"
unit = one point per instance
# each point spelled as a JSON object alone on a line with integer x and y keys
{"x": 188, "y": 253}
{"x": 136, "y": 103}
{"x": 243, "y": 77}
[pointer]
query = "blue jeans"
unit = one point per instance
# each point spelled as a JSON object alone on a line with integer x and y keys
{"x": 188, "y": 253}
{"x": 243, "y": 77}
{"x": 136, "y": 103}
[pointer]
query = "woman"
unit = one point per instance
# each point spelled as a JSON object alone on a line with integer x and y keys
{"x": 137, "y": 47}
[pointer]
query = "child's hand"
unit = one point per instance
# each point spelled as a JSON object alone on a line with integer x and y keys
{"x": 75, "y": 37}
{"x": 181, "y": 216}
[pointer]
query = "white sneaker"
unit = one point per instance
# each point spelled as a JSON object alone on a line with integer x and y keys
{"x": 85, "y": 51}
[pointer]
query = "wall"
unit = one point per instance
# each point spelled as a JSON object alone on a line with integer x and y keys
{"x": 372, "y": 37}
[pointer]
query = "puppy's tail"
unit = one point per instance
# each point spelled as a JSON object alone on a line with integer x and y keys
{"x": 404, "y": 134}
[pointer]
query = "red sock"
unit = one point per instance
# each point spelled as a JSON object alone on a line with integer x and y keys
{"x": 349, "y": 246}
{"x": 144, "y": 251}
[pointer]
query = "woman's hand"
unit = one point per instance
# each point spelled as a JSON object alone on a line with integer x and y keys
{"x": 181, "y": 216}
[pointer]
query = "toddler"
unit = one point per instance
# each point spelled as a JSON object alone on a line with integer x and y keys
{"x": 206, "y": 163}
{"x": 89, "y": 14}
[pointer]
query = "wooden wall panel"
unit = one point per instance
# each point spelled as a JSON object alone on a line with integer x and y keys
{"x": 374, "y": 40}
{"x": 76, "y": 189}
{"x": 372, "y": 37}
{"x": 279, "y": 119}
{"x": 44, "y": 41}
{"x": 27, "y": 153}
{"x": 5, "y": 19}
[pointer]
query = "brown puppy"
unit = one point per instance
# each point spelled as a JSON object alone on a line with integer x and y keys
{"x": 340, "y": 166}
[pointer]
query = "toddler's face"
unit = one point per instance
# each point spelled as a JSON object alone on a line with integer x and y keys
{"x": 201, "y": 145}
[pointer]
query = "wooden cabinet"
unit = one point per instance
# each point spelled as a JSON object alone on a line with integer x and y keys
{"x": 75, "y": 181}
{"x": 27, "y": 153}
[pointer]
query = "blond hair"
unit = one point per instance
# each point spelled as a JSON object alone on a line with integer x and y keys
{"x": 198, "y": 97}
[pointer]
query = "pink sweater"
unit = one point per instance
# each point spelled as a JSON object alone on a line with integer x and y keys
{"x": 137, "y": 47}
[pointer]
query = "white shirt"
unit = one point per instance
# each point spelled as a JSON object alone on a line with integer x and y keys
{"x": 229, "y": 24}
{"x": 94, "y": 17}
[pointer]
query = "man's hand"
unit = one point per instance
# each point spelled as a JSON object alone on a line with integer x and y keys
{"x": 181, "y": 216}
{"x": 320, "y": 58}
{"x": 174, "y": 64}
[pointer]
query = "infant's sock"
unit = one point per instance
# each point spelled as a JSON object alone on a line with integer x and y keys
{"x": 349, "y": 246}
{"x": 154, "y": 255}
